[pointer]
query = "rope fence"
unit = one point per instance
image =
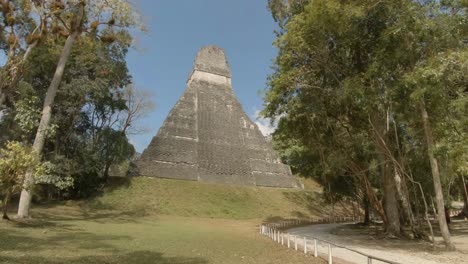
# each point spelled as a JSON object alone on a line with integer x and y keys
{"x": 312, "y": 245}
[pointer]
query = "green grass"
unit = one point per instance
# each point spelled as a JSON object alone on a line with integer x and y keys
{"x": 148, "y": 220}
{"x": 73, "y": 234}
{"x": 187, "y": 198}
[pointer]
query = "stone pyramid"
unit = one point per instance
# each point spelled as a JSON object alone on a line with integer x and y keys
{"x": 207, "y": 136}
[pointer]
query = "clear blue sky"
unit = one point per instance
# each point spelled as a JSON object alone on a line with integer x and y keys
{"x": 178, "y": 29}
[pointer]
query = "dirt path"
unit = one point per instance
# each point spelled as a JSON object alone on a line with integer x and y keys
{"x": 407, "y": 252}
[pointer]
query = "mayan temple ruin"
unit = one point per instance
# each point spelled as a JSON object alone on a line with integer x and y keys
{"x": 207, "y": 136}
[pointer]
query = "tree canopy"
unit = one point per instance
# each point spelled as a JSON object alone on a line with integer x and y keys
{"x": 66, "y": 92}
{"x": 352, "y": 85}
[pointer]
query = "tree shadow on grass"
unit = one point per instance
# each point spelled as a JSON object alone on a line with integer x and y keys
{"x": 142, "y": 257}
{"x": 90, "y": 214}
{"x": 16, "y": 241}
{"x": 113, "y": 183}
{"x": 17, "y": 247}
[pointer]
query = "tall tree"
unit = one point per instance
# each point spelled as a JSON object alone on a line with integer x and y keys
{"x": 434, "y": 85}
{"x": 340, "y": 81}
{"x": 70, "y": 21}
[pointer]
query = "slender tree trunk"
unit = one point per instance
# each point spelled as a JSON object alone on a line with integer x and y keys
{"x": 26, "y": 193}
{"x": 381, "y": 128}
{"x": 436, "y": 178}
{"x": 373, "y": 200}
{"x": 426, "y": 210}
{"x": 106, "y": 170}
{"x": 366, "y": 211}
{"x": 6, "y": 201}
{"x": 465, "y": 196}
{"x": 434, "y": 210}
{"x": 403, "y": 198}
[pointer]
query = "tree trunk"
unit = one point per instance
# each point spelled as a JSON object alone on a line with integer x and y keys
{"x": 436, "y": 178}
{"x": 465, "y": 196}
{"x": 366, "y": 212}
{"x": 391, "y": 202}
{"x": 373, "y": 200}
{"x": 106, "y": 170}
{"x": 434, "y": 210}
{"x": 403, "y": 198}
{"x": 381, "y": 128}
{"x": 6, "y": 200}
{"x": 26, "y": 193}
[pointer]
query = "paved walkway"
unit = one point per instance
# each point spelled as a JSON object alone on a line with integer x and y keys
{"x": 398, "y": 251}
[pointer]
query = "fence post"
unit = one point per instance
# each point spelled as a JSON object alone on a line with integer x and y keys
{"x": 278, "y": 239}
{"x": 282, "y": 239}
{"x": 369, "y": 260}
{"x": 330, "y": 258}
{"x": 295, "y": 242}
{"x": 315, "y": 248}
{"x": 289, "y": 240}
{"x": 305, "y": 245}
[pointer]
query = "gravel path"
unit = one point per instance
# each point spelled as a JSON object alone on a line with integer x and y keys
{"x": 398, "y": 251}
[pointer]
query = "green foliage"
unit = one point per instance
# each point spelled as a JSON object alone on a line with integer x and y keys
{"x": 85, "y": 136}
{"x": 57, "y": 174}
{"x": 349, "y": 72}
{"x": 27, "y": 111}
{"x": 15, "y": 161}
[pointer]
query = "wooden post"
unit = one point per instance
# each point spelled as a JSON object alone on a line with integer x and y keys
{"x": 282, "y": 239}
{"x": 289, "y": 240}
{"x": 315, "y": 248}
{"x": 330, "y": 258}
{"x": 369, "y": 260}
{"x": 305, "y": 245}
{"x": 295, "y": 242}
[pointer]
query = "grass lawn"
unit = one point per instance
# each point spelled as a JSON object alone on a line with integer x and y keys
{"x": 78, "y": 234}
{"x": 189, "y": 198}
{"x": 149, "y": 220}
